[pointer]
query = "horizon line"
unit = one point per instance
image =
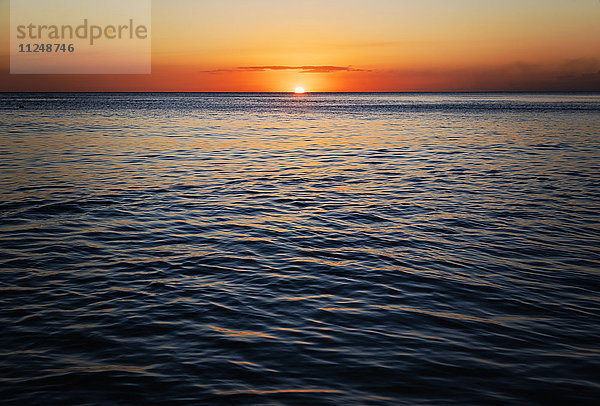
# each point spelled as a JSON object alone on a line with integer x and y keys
{"x": 307, "y": 92}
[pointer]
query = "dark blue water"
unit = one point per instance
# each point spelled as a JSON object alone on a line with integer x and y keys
{"x": 275, "y": 249}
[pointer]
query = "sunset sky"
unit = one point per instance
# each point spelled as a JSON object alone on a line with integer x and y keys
{"x": 353, "y": 45}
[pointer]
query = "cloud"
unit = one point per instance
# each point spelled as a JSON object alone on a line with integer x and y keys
{"x": 301, "y": 69}
{"x": 581, "y": 74}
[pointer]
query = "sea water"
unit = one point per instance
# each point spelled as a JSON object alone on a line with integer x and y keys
{"x": 299, "y": 249}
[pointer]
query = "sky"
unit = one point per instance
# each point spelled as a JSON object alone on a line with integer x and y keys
{"x": 353, "y": 45}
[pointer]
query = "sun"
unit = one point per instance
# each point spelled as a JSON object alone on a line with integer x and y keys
{"x": 299, "y": 90}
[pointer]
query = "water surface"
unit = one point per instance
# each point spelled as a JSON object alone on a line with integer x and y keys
{"x": 316, "y": 249}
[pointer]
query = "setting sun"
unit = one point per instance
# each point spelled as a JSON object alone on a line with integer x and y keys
{"x": 299, "y": 90}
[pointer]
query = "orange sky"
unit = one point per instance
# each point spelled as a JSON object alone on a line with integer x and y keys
{"x": 353, "y": 45}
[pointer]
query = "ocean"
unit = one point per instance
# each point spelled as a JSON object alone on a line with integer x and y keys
{"x": 279, "y": 249}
